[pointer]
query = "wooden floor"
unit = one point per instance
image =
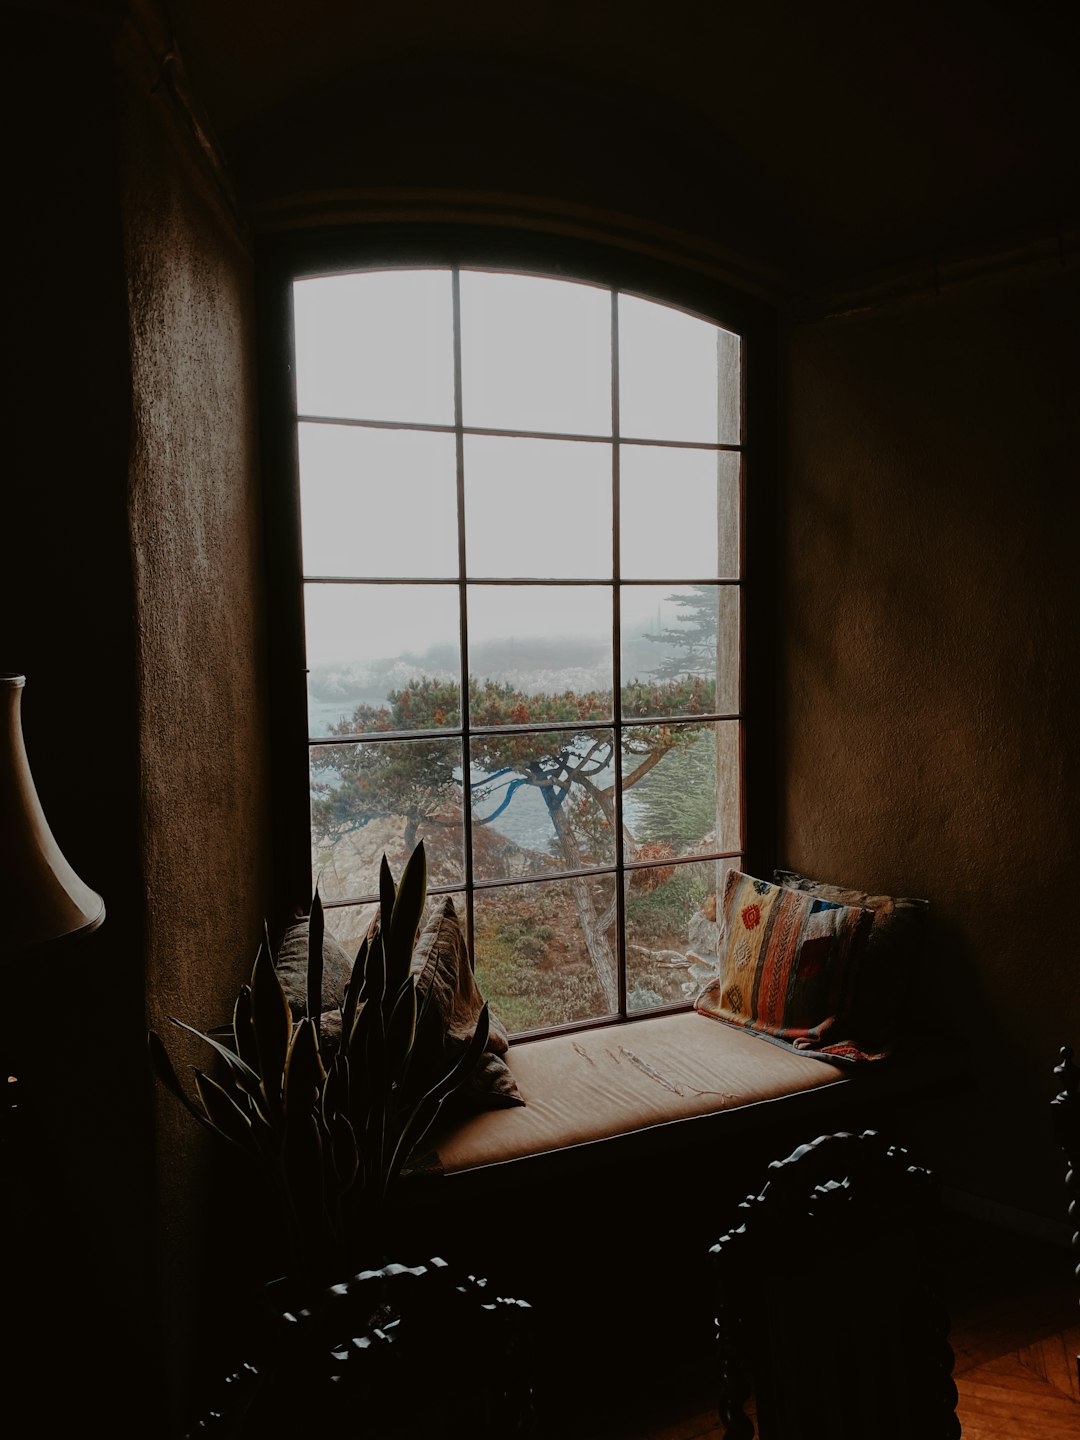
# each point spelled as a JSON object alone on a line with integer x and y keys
{"x": 1015, "y": 1312}
{"x": 1015, "y": 1340}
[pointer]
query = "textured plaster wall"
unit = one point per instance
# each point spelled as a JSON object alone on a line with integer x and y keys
{"x": 929, "y": 669}
{"x": 196, "y": 545}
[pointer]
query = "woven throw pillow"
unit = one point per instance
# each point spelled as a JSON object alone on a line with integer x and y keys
{"x": 446, "y": 982}
{"x": 895, "y": 947}
{"x": 788, "y": 962}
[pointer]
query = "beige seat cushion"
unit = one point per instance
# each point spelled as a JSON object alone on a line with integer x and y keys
{"x": 595, "y": 1085}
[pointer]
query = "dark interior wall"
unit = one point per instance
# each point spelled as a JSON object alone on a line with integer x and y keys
{"x": 932, "y": 697}
{"x": 130, "y": 597}
{"x": 492, "y": 124}
{"x": 923, "y": 650}
{"x": 195, "y": 531}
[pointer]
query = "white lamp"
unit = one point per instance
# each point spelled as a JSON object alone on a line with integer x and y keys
{"x": 41, "y": 897}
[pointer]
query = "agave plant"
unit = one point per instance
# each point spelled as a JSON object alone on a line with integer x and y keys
{"x": 331, "y": 1135}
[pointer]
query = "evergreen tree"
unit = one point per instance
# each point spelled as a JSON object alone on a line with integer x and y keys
{"x": 571, "y": 769}
{"x": 693, "y": 640}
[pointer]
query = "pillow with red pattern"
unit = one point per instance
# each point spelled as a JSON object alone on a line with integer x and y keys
{"x": 891, "y": 972}
{"x": 788, "y": 968}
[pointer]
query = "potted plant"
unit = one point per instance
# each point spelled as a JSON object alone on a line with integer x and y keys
{"x": 330, "y": 1135}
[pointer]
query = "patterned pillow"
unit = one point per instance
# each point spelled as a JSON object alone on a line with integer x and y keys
{"x": 895, "y": 947}
{"x": 788, "y": 963}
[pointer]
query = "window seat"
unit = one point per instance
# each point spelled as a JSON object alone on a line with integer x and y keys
{"x": 597, "y": 1200}
{"x": 644, "y": 1085}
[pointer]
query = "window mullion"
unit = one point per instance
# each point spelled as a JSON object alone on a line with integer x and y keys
{"x": 463, "y": 617}
{"x": 616, "y": 660}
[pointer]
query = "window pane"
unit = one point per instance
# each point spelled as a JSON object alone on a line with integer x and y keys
{"x": 678, "y": 375}
{"x": 537, "y": 508}
{"x": 542, "y": 801}
{"x": 376, "y": 346}
{"x": 371, "y": 799}
{"x": 378, "y": 502}
{"x": 678, "y": 513}
{"x": 535, "y": 354}
{"x": 348, "y": 924}
{"x": 534, "y": 962}
{"x": 539, "y": 653}
{"x": 382, "y": 657}
{"x": 671, "y": 932}
{"x": 671, "y": 807}
{"x": 680, "y": 653}
{"x": 686, "y": 794}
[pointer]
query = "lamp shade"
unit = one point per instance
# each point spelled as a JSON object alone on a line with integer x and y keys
{"x": 41, "y": 897}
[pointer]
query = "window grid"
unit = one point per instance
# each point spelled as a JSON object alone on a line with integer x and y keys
{"x": 616, "y": 724}
{"x": 616, "y": 660}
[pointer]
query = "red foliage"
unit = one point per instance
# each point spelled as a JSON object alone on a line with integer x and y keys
{"x": 656, "y": 876}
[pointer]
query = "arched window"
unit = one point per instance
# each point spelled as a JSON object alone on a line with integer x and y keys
{"x": 521, "y": 514}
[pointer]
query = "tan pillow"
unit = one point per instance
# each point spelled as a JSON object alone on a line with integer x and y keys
{"x": 291, "y": 964}
{"x": 444, "y": 972}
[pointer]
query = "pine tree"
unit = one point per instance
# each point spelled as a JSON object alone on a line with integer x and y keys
{"x": 692, "y": 642}
{"x": 571, "y": 769}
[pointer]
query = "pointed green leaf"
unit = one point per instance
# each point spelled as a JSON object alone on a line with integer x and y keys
{"x": 302, "y": 1167}
{"x": 362, "y": 1179}
{"x": 427, "y": 1046}
{"x": 243, "y": 1034}
{"x": 265, "y": 1140}
{"x": 344, "y": 1152}
{"x": 375, "y": 973}
{"x": 227, "y": 1118}
{"x": 163, "y": 1068}
{"x": 315, "y": 957}
{"x": 375, "y": 1055}
{"x": 401, "y": 1030}
{"x": 467, "y": 1061}
{"x": 353, "y": 989}
{"x": 405, "y": 918}
{"x": 331, "y": 1095}
{"x": 357, "y": 1051}
{"x": 303, "y": 1069}
{"x": 271, "y": 1021}
{"x": 415, "y": 1126}
{"x": 365, "y": 1058}
{"x": 387, "y": 892}
{"x": 334, "y": 1099}
{"x": 242, "y": 1072}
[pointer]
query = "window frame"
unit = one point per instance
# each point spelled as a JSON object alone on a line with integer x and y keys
{"x": 281, "y": 259}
